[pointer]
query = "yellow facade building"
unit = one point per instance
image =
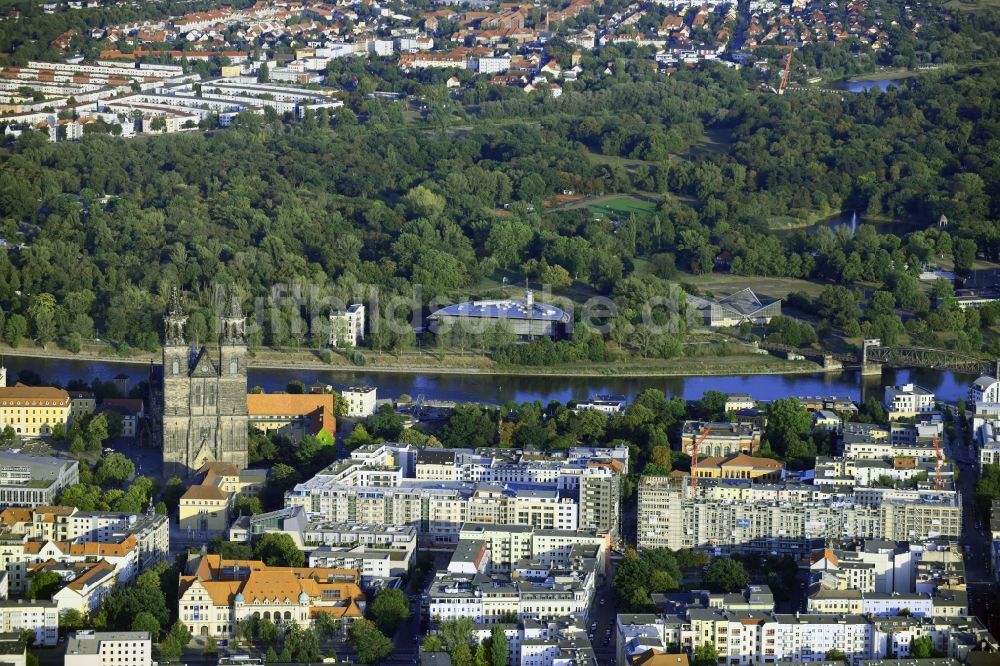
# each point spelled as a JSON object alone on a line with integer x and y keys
{"x": 204, "y": 510}
{"x": 738, "y": 466}
{"x": 33, "y": 411}
{"x": 217, "y": 594}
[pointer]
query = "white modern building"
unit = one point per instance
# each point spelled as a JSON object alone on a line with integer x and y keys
{"x": 360, "y": 401}
{"x": 985, "y": 389}
{"x": 908, "y": 400}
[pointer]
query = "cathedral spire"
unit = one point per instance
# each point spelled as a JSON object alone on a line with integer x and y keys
{"x": 174, "y": 321}
{"x": 234, "y": 324}
{"x": 235, "y": 307}
{"x": 175, "y": 302}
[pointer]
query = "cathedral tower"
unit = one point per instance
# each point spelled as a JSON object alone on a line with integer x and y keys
{"x": 204, "y": 404}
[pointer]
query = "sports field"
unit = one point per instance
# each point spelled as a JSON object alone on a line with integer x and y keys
{"x": 623, "y": 207}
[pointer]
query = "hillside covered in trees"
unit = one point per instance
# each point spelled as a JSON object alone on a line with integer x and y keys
{"x": 369, "y": 197}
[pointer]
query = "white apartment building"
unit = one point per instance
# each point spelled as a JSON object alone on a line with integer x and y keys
{"x": 347, "y": 327}
{"x": 724, "y": 515}
{"x": 985, "y": 389}
{"x": 988, "y": 437}
{"x": 510, "y": 544}
{"x": 88, "y": 585}
{"x": 109, "y": 648}
{"x": 908, "y": 400}
{"x": 360, "y": 401}
{"x": 749, "y": 638}
{"x": 420, "y": 487}
{"x": 128, "y": 542}
{"x": 535, "y": 593}
{"x": 41, "y": 617}
{"x": 947, "y": 603}
{"x": 493, "y": 65}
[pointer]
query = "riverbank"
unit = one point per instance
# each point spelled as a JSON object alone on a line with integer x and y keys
{"x": 430, "y": 364}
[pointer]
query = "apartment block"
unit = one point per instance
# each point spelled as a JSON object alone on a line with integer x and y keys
{"x": 789, "y": 517}
{"x": 511, "y": 544}
{"x": 41, "y": 617}
{"x": 946, "y": 603}
{"x": 428, "y": 489}
{"x": 109, "y": 648}
{"x": 68, "y": 524}
{"x": 533, "y": 592}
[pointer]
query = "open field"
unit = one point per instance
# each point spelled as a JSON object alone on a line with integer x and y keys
{"x": 615, "y": 160}
{"x": 623, "y": 206}
{"x": 971, "y": 4}
{"x": 712, "y": 142}
{"x": 721, "y": 284}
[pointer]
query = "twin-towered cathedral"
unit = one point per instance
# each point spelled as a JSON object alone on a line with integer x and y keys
{"x": 203, "y": 399}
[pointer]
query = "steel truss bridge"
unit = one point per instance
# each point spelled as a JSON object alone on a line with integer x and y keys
{"x": 920, "y": 357}
{"x": 928, "y": 357}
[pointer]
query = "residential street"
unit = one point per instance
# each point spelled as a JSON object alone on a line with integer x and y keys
{"x": 976, "y": 539}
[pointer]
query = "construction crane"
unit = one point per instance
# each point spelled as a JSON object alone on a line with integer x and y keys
{"x": 786, "y": 72}
{"x": 938, "y": 479}
{"x": 706, "y": 431}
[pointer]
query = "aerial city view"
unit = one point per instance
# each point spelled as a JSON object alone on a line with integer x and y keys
{"x": 489, "y": 333}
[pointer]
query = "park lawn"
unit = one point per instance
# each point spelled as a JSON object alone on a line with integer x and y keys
{"x": 615, "y": 160}
{"x": 971, "y": 4}
{"x": 712, "y": 142}
{"x": 723, "y": 284}
{"x": 623, "y": 207}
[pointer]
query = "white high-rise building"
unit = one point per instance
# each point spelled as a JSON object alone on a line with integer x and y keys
{"x": 347, "y": 327}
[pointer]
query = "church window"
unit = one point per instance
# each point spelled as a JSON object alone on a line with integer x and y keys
{"x": 211, "y": 396}
{"x": 197, "y": 396}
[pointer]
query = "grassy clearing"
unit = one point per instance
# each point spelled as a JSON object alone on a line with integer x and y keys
{"x": 722, "y": 284}
{"x": 615, "y": 160}
{"x": 971, "y": 4}
{"x": 623, "y": 206}
{"x": 712, "y": 142}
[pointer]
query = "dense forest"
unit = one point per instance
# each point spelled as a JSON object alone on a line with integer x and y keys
{"x": 99, "y": 229}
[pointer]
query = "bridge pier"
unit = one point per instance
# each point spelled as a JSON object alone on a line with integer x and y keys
{"x": 830, "y": 364}
{"x": 869, "y": 369}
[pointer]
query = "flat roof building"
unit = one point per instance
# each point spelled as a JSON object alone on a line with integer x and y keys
{"x": 33, "y": 480}
{"x": 525, "y": 318}
{"x": 360, "y": 400}
{"x": 109, "y": 648}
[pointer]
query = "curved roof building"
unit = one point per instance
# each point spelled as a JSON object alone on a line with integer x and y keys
{"x": 526, "y": 318}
